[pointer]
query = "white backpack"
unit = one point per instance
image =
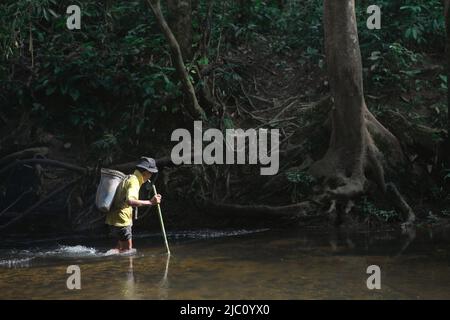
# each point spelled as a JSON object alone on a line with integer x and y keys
{"x": 107, "y": 188}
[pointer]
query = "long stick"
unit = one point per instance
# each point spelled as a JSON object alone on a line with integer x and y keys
{"x": 162, "y": 222}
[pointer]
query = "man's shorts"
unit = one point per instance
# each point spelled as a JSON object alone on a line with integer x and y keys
{"x": 121, "y": 233}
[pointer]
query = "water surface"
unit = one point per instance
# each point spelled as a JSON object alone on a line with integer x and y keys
{"x": 232, "y": 264}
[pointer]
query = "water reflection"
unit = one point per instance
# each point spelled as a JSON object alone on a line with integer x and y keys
{"x": 129, "y": 290}
{"x": 163, "y": 285}
{"x": 410, "y": 233}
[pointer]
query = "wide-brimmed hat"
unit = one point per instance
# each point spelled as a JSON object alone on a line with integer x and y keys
{"x": 148, "y": 164}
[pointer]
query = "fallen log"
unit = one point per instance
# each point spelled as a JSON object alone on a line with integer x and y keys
{"x": 26, "y": 153}
{"x": 48, "y": 162}
{"x": 38, "y": 204}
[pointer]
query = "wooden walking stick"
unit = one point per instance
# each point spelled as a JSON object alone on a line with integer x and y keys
{"x": 161, "y": 221}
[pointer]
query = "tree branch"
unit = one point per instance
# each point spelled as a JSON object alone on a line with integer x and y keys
{"x": 48, "y": 162}
{"x": 23, "y": 154}
{"x": 196, "y": 111}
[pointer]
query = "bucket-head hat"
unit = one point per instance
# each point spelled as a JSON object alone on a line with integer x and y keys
{"x": 148, "y": 164}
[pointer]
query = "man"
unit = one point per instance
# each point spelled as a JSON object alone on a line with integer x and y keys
{"x": 120, "y": 218}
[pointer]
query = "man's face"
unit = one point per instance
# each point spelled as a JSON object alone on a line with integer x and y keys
{"x": 146, "y": 175}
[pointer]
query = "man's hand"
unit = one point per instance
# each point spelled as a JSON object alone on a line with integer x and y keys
{"x": 156, "y": 199}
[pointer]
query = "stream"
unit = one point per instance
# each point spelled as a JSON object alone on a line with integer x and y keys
{"x": 231, "y": 264}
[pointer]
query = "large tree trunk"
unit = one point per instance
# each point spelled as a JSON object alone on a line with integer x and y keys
{"x": 180, "y": 21}
{"x": 352, "y": 156}
{"x": 196, "y": 110}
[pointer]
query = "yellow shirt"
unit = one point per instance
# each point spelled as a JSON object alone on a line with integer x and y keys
{"x": 121, "y": 214}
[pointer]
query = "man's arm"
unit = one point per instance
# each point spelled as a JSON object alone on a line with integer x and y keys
{"x": 140, "y": 203}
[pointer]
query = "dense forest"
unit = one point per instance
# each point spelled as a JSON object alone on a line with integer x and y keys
{"x": 362, "y": 113}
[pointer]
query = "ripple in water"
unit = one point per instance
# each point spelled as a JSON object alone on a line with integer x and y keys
{"x": 60, "y": 251}
{"x": 209, "y": 234}
{"x": 69, "y": 251}
{"x": 16, "y": 263}
{"x": 22, "y": 258}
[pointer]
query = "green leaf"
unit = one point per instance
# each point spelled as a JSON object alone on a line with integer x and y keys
{"x": 414, "y": 33}
{"x": 75, "y": 94}
{"x": 228, "y": 123}
{"x": 46, "y": 15}
{"x": 203, "y": 61}
{"x": 408, "y": 33}
{"x": 447, "y": 176}
{"x": 53, "y": 13}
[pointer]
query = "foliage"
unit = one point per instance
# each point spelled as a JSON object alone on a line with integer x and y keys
{"x": 115, "y": 74}
{"x": 392, "y": 56}
{"x": 447, "y": 174}
{"x": 393, "y": 67}
{"x": 107, "y": 146}
{"x": 301, "y": 183}
{"x": 109, "y": 76}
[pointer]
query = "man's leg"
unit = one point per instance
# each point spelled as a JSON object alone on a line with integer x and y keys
{"x": 126, "y": 245}
{"x": 113, "y": 231}
{"x": 127, "y": 242}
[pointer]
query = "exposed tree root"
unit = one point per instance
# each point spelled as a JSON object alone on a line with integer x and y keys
{"x": 413, "y": 134}
{"x": 346, "y": 175}
{"x": 300, "y": 211}
{"x": 384, "y": 139}
{"x": 344, "y": 168}
{"x": 408, "y": 214}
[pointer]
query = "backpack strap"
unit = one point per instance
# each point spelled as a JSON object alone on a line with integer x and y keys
{"x": 128, "y": 176}
{"x": 133, "y": 209}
